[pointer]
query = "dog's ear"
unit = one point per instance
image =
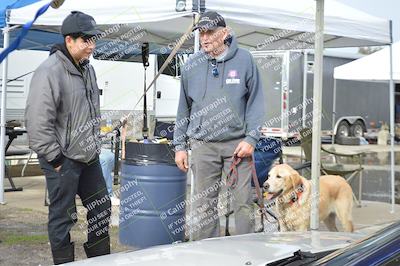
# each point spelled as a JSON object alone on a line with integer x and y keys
{"x": 295, "y": 179}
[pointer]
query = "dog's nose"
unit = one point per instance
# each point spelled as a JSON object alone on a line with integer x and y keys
{"x": 266, "y": 186}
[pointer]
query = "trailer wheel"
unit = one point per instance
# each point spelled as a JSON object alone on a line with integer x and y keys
{"x": 343, "y": 129}
{"x": 357, "y": 129}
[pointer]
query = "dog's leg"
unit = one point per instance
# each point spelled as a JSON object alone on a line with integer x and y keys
{"x": 282, "y": 227}
{"x": 330, "y": 222}
{"x": 347, "y": 224}
{"x": 282, "y": 220}
{"x": 349, "y": 227}
{"x": 302, "y": 228}
{"x": 343, "y": 211}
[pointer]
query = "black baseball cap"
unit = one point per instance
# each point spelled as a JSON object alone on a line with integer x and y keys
{"x": 210, "y": 20}
{"x": 78, "y": 22}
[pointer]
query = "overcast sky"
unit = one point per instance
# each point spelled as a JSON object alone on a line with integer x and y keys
{"x": 389, "y": 9}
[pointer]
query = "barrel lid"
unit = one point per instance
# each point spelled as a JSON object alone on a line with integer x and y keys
{"x": 149, "y": 153}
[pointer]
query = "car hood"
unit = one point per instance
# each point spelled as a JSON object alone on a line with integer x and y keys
{"x": 250, "y": 249}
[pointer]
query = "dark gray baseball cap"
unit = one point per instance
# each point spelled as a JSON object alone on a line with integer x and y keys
{"x": 210, "y": 20}
{"x": 78, "y": 22}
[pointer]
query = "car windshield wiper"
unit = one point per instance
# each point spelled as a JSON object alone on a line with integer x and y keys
{"x": 299, "y": 255}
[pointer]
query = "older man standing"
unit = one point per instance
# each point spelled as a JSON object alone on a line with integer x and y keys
{"x": 219, "y": 114}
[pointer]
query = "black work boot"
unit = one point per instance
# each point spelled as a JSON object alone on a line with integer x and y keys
{"x": 99, "y": 248}
{"x": 64, "y": 254}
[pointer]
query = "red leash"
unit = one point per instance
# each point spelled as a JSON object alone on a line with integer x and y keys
{"x": 232, "y": 179}
{"x": 233, "y": 176}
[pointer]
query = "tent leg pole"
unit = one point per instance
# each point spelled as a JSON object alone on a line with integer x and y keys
{"x": 192, "y": 208}
{"x": 317, "y": 93}
{"x": 6, "y": 34}
{"x": 155, "y": 84}
{"x": 334, "y": 111}
{"x": 304, "y": 89}
{"x": 392, "y": 128}
{"x": 304, "y": 109}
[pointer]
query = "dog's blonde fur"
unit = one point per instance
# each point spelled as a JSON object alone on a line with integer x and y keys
{"x": 293, "y": 209}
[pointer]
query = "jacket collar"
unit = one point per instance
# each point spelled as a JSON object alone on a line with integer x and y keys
{"x": 68, "y": 64}
{"x": 62, "y": 52}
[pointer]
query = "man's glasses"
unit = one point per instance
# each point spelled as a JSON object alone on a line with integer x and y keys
{"x": 214, "y": 69}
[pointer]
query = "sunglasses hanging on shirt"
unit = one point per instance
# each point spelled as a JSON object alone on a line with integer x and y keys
{"x": 214, "y": 69}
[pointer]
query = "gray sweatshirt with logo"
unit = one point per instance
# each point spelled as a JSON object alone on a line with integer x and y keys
{"x": 220, "y": 99}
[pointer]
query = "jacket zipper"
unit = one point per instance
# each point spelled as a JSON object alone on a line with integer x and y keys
{"x": 87, "y": 96}
{"x": 89, "y": 99}
{"x": 68, "y": 137}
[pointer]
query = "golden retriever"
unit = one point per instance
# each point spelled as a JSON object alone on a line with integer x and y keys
{"x": 292, "y": 194}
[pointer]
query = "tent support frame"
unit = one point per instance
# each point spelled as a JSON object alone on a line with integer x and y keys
{"x": 334, "y": 110}
{"x": 317, "y": 96}
{"x": 392, "y": 119}
{"x": 6, "y": 41}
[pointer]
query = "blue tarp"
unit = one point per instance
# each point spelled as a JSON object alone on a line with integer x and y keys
{"x": 11, "y": 4}
{"x": 35, "y": 40}
{"x": 43, "y": 40}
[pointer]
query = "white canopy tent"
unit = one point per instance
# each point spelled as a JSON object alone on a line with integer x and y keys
{"x": 373, "y": 67}
{"x": 263, "y": 25}
{"x": 253, "y": 21}
{"x": 382, "y": 66}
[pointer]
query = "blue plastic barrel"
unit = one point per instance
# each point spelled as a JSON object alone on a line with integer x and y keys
{"x": 152, "y": 208}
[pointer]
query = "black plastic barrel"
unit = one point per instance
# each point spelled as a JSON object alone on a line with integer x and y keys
{"x": 153, "y": 193}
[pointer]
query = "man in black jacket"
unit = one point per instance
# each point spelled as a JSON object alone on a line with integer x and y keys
{"x": 62, "y": 119}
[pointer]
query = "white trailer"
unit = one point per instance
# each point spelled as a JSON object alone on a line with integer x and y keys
{"x": 288, "y": 80}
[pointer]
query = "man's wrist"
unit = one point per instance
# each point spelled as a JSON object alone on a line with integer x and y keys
{"x": 181, "y": 147}
{"x": 250, "y": 140}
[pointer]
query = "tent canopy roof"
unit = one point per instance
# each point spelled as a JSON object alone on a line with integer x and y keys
{"x": 263, "y": 25}
{"x": 374, "y": 67}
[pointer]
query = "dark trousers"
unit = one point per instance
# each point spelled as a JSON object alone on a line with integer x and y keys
{"x": 87, "y": 181}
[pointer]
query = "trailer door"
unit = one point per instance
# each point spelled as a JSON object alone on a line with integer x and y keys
{"x": 270, "y": 68}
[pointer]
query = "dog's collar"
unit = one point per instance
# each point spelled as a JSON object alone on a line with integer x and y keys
{"x": 297, "y": 194}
